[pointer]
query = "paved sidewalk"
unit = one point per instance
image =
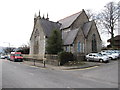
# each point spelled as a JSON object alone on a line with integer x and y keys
{"x": 47, "y": 66}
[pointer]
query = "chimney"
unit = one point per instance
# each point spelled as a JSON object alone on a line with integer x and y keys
{"x": 35, "y": 18}
{"x": 47, "y": 17}
{"x": 43, "y": 17}
{"x": 39, "y": 15}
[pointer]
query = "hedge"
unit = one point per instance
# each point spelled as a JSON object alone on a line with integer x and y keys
{"x": 64, "y": 57}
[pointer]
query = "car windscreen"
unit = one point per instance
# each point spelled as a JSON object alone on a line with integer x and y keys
{"x": 18, "y": 55}
{"x": 99, "y": 55}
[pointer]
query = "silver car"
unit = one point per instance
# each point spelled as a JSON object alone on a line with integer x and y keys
{"x": 110, "y": 55}
{"x": 114, "y": 53}
{"x": 97, "y": 57}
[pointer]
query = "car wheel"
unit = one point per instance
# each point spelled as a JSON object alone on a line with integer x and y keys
{"x": 101, "y": 60}
{"x": 107, "y": 61}
{"x": 87, "y": 59}
{"x": 111, "y": 58}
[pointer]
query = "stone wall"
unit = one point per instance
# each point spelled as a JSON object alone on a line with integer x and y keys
{"x": 52, "y": 59}
{"x": 80, "y": 56}
{"x": 49, "y": 59}
{"x": 33, "y": 56}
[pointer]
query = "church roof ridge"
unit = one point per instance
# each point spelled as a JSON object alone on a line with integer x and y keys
{"x": 70, "y": 15}
{"x": 49, "y": 20}
{"x": 67, "y": 21}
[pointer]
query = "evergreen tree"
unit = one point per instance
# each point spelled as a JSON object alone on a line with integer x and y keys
{"x": 54, "y": 42}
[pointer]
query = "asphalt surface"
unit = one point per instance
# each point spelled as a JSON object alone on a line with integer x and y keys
{"x": 17, "y": 75}
{"x": 0, "y": 74}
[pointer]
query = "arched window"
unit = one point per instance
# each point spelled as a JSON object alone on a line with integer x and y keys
{"x": 79, "y": 47}
{"x": 36, "y": 42}
{"x": 36, "y": 47}
{"x": 94, "y": 43}
{"x": 36, "y": 33}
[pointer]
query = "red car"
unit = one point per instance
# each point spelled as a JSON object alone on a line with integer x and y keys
{"x": 16, "y": 56}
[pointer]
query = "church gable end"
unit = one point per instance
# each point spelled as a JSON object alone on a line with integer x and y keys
{"x": 93, "y": 39}
{"x": 80, "y": 20}
{"x": 93, "y": 29}
{"x": 37, "y": 39}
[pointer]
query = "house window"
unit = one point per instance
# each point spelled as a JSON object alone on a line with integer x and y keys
{"x": 36, "y": 47}
{"x": 79, "y": 47}
{"x": 83, "y": 47}
{"x": 67, "y": 48}
{"x": 94, "y": 43}
{"x": 36, "y": 33}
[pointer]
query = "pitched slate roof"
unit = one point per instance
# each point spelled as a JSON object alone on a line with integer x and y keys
{"x": 69, "y": 37}
{"x": 86, "y": 28}
{"x": 115, "y": 38}
{"x": 49, "y": 26}
{"x": 66, "y": 22}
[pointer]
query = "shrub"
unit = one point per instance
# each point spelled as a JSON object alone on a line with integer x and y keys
{"x": 64, "y": 57}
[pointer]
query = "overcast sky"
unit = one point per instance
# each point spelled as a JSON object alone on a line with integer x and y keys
{"x": 16, "y": 16}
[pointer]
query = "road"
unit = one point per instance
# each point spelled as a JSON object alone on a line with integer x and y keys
{"x": 17, "y": 75}
{"x": 0, "y": 74}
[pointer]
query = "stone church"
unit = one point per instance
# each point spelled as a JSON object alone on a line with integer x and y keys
{"x": 79, "y": 35}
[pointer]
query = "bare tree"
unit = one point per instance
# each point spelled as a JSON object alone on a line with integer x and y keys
{"x": 8, "y": 50}
{"x": 90, "y": 14}
{"x": 93, "y": 16}
{"x": 109, "y": 18}
{"x": 24, "y": 49}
